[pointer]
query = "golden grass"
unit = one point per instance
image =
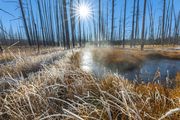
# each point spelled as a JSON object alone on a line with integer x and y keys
{"x": 14, "y": 52}
{"x": 26, "y": 62}
{"x": 130, "y": 58}
{"x": 178, "y": 79}
{"x": 114, "y": 56}
{"x": 75, "y": 59}
{"x": 63, "y": 91}
{"x": 154, "y": 47}
{"x": 5, "y": 57}
{"x": 165, "y": 54}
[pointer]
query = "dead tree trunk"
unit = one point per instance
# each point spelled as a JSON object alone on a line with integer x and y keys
{"x": 143, "y": 26}
{"x": 151, "y": 25}
{"x": 120, "y": 27}
{"x": 63, "y": 28}
{"x": 72, "y": 23}
{"x": 66, "y": 25}
{"x": 133, "y": 19}
{"x": 124, "y": 24}
{"x": 163, "y": 22}
{"x": 107, "y": 21}
{"x": 24, "y": 21}
{"x": 79, "y": 30}
{"x": 112, "y": 22}
{"x": 137, "y": 21}
{"x": 99, "y": 23}
{"x": 171, "y": 17}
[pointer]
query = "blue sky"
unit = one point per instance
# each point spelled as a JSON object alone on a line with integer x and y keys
{"x": 11, "y": 7}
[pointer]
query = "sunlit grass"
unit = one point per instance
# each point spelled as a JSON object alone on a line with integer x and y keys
{"x": 133, "y": 57}
{"x": 61, "y": 90}
{"x": 12, "y": 53}
{"x": 178, "y": 79}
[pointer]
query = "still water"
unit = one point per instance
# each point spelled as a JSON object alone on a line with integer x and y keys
{"x": 150, "y": 70}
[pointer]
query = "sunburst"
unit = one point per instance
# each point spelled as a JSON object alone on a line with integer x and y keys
{"x": 83, "y": 10}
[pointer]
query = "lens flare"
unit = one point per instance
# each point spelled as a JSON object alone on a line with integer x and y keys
{"x": 83, "y": 11}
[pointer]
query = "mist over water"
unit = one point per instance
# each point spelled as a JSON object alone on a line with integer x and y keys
{"x": 146, "y": 72}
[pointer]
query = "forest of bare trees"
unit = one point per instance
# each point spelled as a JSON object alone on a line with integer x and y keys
{"x": 57, "y": 24}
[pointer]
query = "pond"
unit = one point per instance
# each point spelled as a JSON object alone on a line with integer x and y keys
{"x": 157, "y": 70}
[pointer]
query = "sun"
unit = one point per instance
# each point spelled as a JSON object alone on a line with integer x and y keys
{"x": 83, "y": 11}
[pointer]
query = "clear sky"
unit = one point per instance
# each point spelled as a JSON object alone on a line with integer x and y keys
{"x": 12, "y": 7}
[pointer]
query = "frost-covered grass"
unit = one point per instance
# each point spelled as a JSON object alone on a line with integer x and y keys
{"x": 61, "y": 90}
{"x": 15, "y": 52}
{"x": 25, "y": 62}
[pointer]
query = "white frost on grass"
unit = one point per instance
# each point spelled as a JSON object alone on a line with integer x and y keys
{"x": 170, "y": 112}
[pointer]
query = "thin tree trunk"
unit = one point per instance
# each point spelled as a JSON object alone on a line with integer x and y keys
{"x": 163, "y": 22}
{"x": 42, "y": 21}
{"x": 99, "y": 19}
{"x": 66, "y": 25}
{"x": 107, "y": 21}
{"x": 63, "y": 27}
{"x": 133, "y": 20}
{"x": 120, "y": 27}
{"x": 137, "y": 21}
{"x": 112, "y": 22}
{"x": 72, "y": 23}
{"x": 171, "y": 16}
{"x": 143, "y": 26}
{"x": 79, "y": 28}
{"x": 24, "y": 21}
{"x": 151, "y": 25}
{"x": 124, "y": 24}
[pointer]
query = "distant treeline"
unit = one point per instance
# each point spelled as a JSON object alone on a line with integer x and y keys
{"x": 56, "y": 24}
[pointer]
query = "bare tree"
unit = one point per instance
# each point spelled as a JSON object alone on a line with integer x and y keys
{"x": 41, "y": 22}
{"x": 99, "y": 19}
{"x": 79, "y": 30}
{"x": 66, "y": 25}
{"x": 120, "y": 26}
{"x": 107, "y": 20}
{"x": 56, "y": 24}
{"x": 57, "y": 20}
{"x": 24, "y": 21}
{"x": 72, "y": 22}
{"x": 63, "y": 27}
{"x": 95, "y": 30}
{"x": 176, "y": 28}
{"x": 112, "y": 21}
{"x": 137, "y": 21}
{"x": 133, "y": 21}
{"x": 163, "y": 22}
{"x": 171, "y": 17}
{"x": 124, "y": 24}
{"x": 143, "y": 26}
{"x": 151, "y": 25}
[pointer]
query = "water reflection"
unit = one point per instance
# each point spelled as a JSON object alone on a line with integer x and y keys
{"x": 89, "y": 65}
{"x": 87, "y": 61}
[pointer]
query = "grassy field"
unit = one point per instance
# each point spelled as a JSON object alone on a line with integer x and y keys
{"x": 51, "y": 85}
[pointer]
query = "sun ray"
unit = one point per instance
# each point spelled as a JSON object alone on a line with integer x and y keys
{"x": 83, "y": 11}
